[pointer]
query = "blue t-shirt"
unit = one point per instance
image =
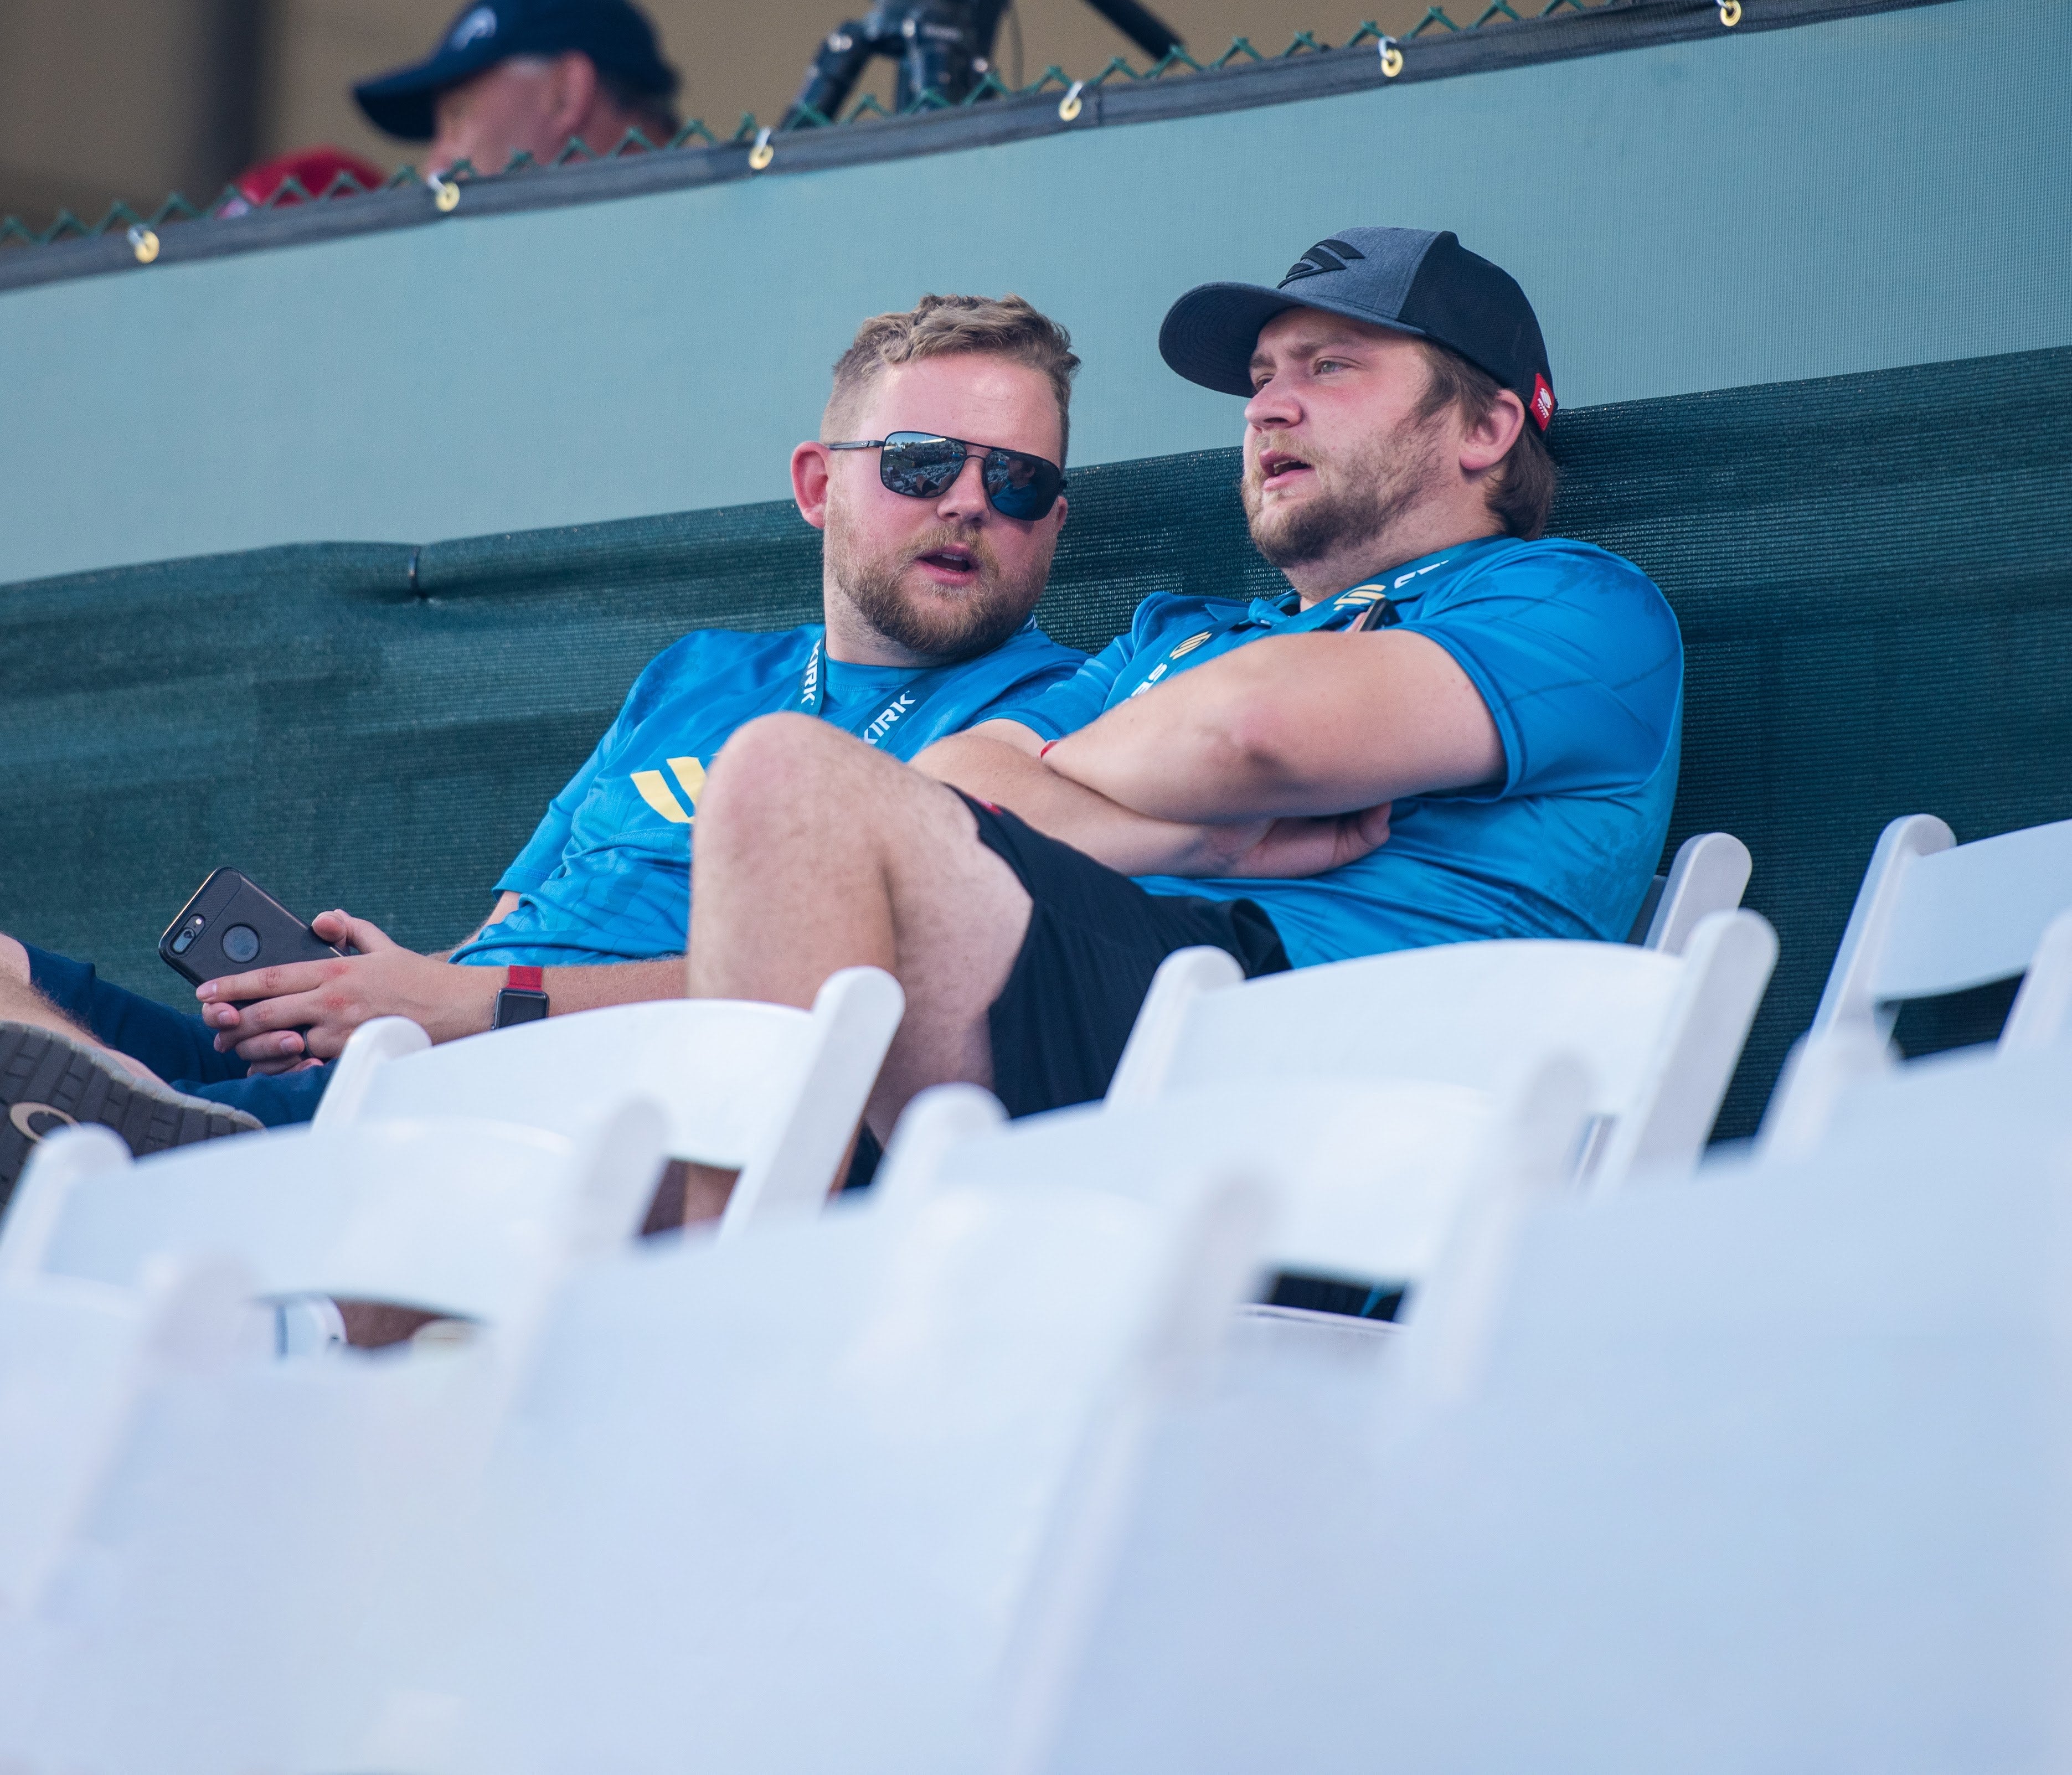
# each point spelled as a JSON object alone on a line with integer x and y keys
{"x": 1577, "y": 654}
{"x": 607, "y": 876}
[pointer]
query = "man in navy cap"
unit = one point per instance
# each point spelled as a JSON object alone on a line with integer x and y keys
{"x": 528, "y": 76}
{"x": 1450, "y": 727}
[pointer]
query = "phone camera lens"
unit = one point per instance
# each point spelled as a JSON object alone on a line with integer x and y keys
{"x": 240, "y": 942}
{"x": 188, "y": 932}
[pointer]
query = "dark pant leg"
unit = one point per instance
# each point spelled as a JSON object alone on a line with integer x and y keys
{"x": 173, "y": 1044}
{"x": 1095, "y": 940}
{"x": 179, "y": 1048}
{"x": 278, "y": 1099}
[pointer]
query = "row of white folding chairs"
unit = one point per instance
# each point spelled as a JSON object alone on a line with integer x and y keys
{"x": 776, "y": 1092}
{"x": 404, "y": 1192}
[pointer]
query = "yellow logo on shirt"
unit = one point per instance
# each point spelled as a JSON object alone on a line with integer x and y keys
{"x": 655, "y": 791}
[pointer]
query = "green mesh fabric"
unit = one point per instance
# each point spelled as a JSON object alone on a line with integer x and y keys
{"x": 1874, "y": 576}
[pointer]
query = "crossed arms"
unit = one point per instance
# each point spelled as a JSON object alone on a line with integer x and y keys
{"x": 1279, "y": 759}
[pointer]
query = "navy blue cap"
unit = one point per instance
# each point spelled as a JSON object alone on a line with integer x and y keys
{"x": 1416, "y": 282}
{"x": 613, "y": 34}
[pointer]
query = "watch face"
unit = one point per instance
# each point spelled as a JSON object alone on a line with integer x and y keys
{"x": 515, "y": 1004}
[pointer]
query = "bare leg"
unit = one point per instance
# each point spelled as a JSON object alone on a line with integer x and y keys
{"x": 22, "y": 1003}
{"x": 688, "y": 1193}
{"x": 815, "y": 854}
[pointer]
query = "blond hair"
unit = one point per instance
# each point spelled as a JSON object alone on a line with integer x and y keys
{"x": 944, "y": 325}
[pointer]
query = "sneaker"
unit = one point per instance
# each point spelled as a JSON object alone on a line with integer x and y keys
{"x": 49, "y": 1081}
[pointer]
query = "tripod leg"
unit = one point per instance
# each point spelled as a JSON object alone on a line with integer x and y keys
{"x": 838, "y": 65}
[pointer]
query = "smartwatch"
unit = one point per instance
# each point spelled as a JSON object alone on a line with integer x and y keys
{"x": 522, "y": 1000}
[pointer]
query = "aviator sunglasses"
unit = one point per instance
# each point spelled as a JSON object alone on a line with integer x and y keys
{"x": 923, "y": 466}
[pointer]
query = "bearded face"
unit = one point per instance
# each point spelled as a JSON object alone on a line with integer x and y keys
{"x": 1304, "y": 503}
{"x": 943, "y": 595}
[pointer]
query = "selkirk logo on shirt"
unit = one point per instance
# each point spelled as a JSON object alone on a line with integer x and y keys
{"x": 889, "y": 719}
{"x": 655, "y": 791}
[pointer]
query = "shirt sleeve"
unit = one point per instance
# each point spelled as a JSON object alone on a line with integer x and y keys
{"x": 1067, "y": 707}
{"x": 1577, "y": 653}
{"x": 1027, "y": 690}
{"x": 542, "y": 851}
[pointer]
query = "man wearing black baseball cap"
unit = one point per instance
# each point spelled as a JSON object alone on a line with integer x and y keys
{"x": 1450, "y": 726}
{"x": 512, "y": 76}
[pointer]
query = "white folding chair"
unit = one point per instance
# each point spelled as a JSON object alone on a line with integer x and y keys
{"x": 1765, "y": 1475}
{"x": 1373, "y": 1177}
{"x": 466, "y": 1218}
{"x": 247, "y": 1537}
{"x": 1657, "y": 1034}
{"x": 1934, "y": 916}
{"x": 771, "y": 1091}
{"x": 73, "y": 1356}
{"x": 1710, "y": 873}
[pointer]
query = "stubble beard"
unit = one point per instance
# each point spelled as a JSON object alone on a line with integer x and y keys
{"x": 935, "y": 624}
{"x": 1359, "y": 499}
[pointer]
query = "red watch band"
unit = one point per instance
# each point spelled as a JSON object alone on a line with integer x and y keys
{"x": 525, "y": 979}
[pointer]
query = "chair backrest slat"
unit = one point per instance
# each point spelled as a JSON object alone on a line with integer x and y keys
{"x": 1710, "y": 874}
{"x": 1974, "y": 912}
{"x": 769, "y": 1091}
{"x": 457, "y": 1216}
{"x": 716, "y": 1066}
{"x": 1464, "y": 1014}
{"x": 1657, "y": 1033}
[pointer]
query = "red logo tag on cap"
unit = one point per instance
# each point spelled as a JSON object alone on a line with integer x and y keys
{"x": 1542, "y": 402}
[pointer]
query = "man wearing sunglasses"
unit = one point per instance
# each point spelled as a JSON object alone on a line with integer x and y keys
{"x": 1224, "y": 773}
{"x": 936, "y": 482}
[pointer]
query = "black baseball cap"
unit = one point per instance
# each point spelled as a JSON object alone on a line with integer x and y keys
{"x": 613, "y": 34}
{"x": 1417, "y": 282}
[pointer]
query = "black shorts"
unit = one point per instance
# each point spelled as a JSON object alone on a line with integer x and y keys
{"x": 1095, "y": 939}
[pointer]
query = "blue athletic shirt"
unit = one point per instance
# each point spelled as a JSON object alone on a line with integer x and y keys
{"x": 1577, "y": 654}
{"x": 607, "y": 876}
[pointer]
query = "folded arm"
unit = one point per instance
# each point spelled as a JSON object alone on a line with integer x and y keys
{"x": 997, "y": 762}
{"x": 1278, "y": 759}
{"x": 1297, "y": 724}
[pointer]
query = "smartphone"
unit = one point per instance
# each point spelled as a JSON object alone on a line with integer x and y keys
{"x": 232, "y": 925}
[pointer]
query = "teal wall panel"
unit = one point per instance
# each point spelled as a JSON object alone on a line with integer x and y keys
{"x": 1838, "y": 197}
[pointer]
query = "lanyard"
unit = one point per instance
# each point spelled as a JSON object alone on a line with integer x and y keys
{"x": 1361, "y": 606}
{"x": 904, "y": 704}
{"x": 1369, "y": 605}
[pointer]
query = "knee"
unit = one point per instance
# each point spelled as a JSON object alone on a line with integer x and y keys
{"x": 775, "y": 755}
{"x": 14, "y": 960}
{"x": 776, "y": 769}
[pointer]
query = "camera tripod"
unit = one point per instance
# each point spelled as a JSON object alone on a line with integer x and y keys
{"x": 944, "y": 47}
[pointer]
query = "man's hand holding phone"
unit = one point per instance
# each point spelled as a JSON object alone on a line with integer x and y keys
{"x": 279, "y": 1019}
